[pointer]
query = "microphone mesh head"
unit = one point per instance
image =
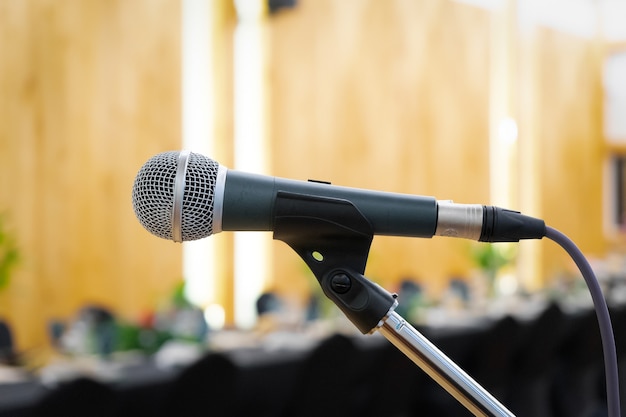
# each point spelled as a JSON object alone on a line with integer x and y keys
{"x": 153, "y": 195}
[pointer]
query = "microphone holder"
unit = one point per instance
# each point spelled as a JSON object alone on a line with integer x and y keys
{"x": 334, "y": 238}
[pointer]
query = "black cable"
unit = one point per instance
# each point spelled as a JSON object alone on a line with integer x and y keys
{"x": 604, "y": 319}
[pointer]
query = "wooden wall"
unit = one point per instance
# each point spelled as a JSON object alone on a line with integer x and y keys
{"x": 384, "y": 95}
{"x": 399, "y": 96}
{"x": 391, "y": 95}
{"x": 570, "y": 144}
{"x": 89, "y": 90}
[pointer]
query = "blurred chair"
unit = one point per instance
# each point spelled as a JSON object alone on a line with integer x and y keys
{"x": 580, "y": 388}
{"x": 77, "y": 398}
{"x": 387, "y": 373}
{"x": 491, "y": 359}
{"x": 208, "y": 387}
{"x": 147, "y": 397}
{"x": 618, "y": 319}
{"x": 267, "y": 303}
{"x": 56, "y": 329}
{"x": 325, "y": 383}
{"x": 460, "y": 288}
{"x": 269, "y": 309}
{"x": 92, "y": 331}
{"x": 484, "y": 353}
{"x": 7, "y": 348}
{"x": 313, "y": 310}
{"x": 534, "y": 364}
{"x": 410, "y": 299}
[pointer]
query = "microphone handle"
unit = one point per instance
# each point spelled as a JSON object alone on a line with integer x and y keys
{"x": 248, "y": 205}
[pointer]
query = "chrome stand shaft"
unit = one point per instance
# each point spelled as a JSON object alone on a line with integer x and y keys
{"x": 441, "y": 368}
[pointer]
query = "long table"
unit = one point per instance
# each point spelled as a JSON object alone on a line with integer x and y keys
{"x": 552, "y": 362}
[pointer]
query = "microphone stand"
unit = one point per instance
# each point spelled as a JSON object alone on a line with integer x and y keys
{"x": 334, "y": 239}
{"x": 440, "y": 368}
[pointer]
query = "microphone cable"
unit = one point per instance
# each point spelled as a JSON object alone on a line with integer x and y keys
{"x": 604, "y": 319}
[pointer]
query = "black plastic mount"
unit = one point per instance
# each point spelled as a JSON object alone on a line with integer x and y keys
{"x": 333, "y": 238}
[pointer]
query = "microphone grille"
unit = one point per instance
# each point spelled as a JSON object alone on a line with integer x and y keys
{"x": 153, "y": 195}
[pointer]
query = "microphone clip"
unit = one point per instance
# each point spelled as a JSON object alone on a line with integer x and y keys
{"x": 333, "y": 238}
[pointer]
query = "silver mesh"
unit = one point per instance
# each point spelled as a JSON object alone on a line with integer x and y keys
{"x": 153, "y": 195}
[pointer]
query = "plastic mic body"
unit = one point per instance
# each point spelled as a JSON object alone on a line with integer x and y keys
{"x": 186, "y": 196}
{"x": 248, "y": 204}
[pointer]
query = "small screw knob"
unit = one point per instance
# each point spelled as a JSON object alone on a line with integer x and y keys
{"x": 340, "y": 283}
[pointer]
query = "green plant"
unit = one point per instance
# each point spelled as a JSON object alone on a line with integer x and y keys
{"x": 9, "y": 254}
{"x": 490, "y": 258}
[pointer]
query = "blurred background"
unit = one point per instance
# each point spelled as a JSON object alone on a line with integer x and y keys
{"x": 521, "y": 104}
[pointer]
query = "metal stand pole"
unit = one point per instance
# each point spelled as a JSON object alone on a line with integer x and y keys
{"x": 440, "y": 368}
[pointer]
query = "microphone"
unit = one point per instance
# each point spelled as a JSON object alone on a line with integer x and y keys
{"x": 182, "y": 196}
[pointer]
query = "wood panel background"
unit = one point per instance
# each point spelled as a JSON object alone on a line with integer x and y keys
{"x": 383, "y": 95}
{"x": 570, "y": 147}
{"x": 88, "y": 92}
{"x": 397, "y": 96}
{"x": 391, "y": 95}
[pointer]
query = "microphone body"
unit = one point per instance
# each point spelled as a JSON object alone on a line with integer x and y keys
{"x": 248, "y": 204}
{"x": 186, "y": 196}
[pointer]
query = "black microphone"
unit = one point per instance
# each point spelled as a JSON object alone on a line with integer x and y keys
{"x": 182, "y": 196}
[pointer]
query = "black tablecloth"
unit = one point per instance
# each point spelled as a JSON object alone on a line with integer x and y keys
{"x": 533, "y": 367}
